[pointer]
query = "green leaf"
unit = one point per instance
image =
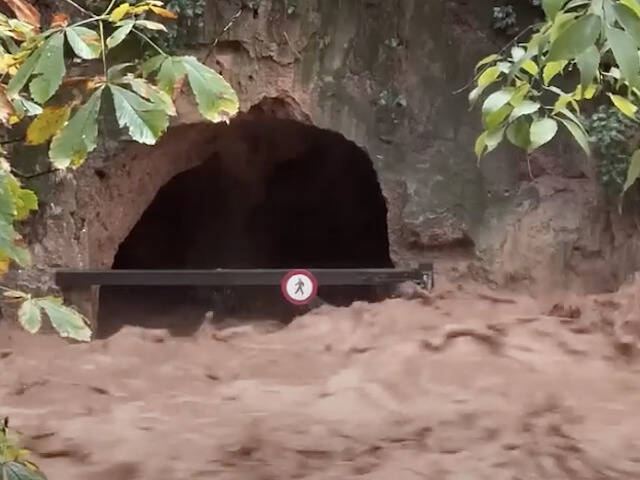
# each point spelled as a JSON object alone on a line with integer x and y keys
{"x": 489, "y": 76}
{"x": 159, "y": 98}
{"x": 494, "y": 138}
{"x": 120, "y": 34}
{"x": 480, "y": 145}
{"x": 624, "y": 105}
{"x": 629, "y": 20}
{"x": 144, "y": 120}
{"x": 526, "y": 107}
{"x": 18, "y": 471}
{"x": 9, "y": 239}
{"x": 541, "y": 132}
{"x": 25, "y": 71}
{"x": 496, "y": 101}
{"x": 152, "y": 64}
{"x": 530, "y": 67}
{"x": 215, "y": 98}
{"x": 171, "y": 71}
{"x": 116, "y": 72}
{"x": 634, "y": 171}
{"x": 29, "y": 316}
{"x": 625, "y": 52}
{"x": 486, "y": 60}
{"x": 552, "y": 7}
{"x": 579, "y": 36}
{"x": 518, "y": 133}
{"x": 85, "y": 42}
{"x": 50, "y": 69}
{"x": 494, "y": 119}
{"x": 552, "y": 69}
{"x": 67, "y": 322}
{"x": 588, "y": 63}
{"x": 578, "y": 133}
{"x": 633, "y": 5}
{"x": 79, "y": 136}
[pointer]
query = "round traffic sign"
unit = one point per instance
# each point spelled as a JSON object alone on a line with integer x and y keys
{"x": 299, "y": 287}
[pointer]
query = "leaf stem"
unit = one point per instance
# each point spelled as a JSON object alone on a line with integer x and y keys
{"x": 148, "y": 40}
{"x": 104, "y": 50}
{"x": 109, "y": 7}
{"x": 82, "y": 9}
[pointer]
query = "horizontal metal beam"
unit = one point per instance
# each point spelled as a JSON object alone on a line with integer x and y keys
{"x": 235, "y": 278}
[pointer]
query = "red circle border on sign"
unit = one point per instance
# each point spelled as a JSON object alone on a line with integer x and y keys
{"x": 314, "y": 286}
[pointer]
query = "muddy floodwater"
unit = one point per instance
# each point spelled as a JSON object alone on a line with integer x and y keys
{"x": 471, "y": 385}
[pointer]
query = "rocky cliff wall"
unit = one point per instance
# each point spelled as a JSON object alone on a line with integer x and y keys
{"x": 382, "y": 73}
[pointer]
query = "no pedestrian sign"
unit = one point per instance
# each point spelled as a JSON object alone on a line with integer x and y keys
{"x": 299, "y": 287}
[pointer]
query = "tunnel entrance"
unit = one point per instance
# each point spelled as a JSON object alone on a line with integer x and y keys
{"x": 273, "y": 193}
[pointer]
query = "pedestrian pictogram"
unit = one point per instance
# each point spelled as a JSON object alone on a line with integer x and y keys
{"x": 299, "y": 287}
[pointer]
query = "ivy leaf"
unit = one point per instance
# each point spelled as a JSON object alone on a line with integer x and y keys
{"x": 120, "y": 34}
{"x": 47, "y": 124}
{"x": 625, "y": 52}
{"x": 215, "y": 98}
{"x": 85, "y": 42}
{"x": 634, "y": 171}
{"x": 29, "y": 316}
{"x": 144, "y": 120}
{"x": 552, "y": 7}
{"x": 67, "y": 322}
{"x": 78, "y": 137}
{"x": 588, "y": 63}
{"x": 578, "y": 133}
{"x": 50, "y": 69}
{"x": 576, "y": 38}
{"x": 541, "y": 132}
{"x": 624, "y": 105}
{"x": 518, "y": 133}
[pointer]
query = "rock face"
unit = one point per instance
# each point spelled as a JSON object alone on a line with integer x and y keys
{"x": 381, "y": 73}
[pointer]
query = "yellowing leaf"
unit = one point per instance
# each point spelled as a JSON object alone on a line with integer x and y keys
{"x": 488, "y": 76}
{"x": 633, "y": 5}
{"x": 79, "y": 136}
{"x": 47, "y": 124}
{"x": 552, "y": 69}
{"x": 481, "y": 144}
{"x": 29, "y": 316}
{"x": 530, "y": 66}
{"x": 634, "y": 171}
{"x": 68, "y": 322}
{"x": 164, "y": 12}
{"x": 215, "y": 98}
{"x": 624, "y": 105}
{"x": 119, "y": 12}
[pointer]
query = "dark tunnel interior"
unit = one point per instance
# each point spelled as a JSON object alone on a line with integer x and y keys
{"x": 320, "y": 208}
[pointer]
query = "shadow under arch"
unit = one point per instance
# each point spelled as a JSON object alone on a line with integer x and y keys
{"x": 271, "y": 193}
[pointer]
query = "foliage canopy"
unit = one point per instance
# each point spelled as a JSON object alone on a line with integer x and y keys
{"x": 55, "y": 82}
{"x": 593, "y": 45}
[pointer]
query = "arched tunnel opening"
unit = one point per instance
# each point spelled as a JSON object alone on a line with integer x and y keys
{"x": 273, "y": 193}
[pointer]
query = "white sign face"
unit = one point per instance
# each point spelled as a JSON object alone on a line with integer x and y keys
{"x": 299, "y": 287}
